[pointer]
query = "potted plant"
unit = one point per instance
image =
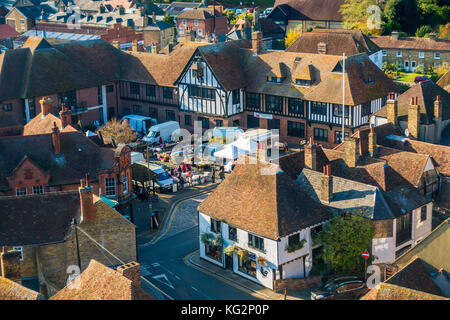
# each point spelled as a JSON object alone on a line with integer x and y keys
{"x": 296, "y": 246}
{"x": 230, "y": 250}
{"x": 261, "y": 261}
{"x": 218, "y": 241}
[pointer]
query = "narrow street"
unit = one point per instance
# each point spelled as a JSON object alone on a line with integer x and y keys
{"x": 163, "y": 264}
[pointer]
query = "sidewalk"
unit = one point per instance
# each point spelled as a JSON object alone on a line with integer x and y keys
{"x": 164, "y": 206}
{"x": 231, "y": 278}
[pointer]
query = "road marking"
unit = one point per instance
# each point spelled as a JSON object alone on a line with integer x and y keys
{"x": 178, "y": 278}
{"x": 195, "y": 288}
{"x": 163, "y": 279}
{"x": 144, "y": 271}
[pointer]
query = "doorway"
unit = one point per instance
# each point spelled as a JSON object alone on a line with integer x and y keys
{"x": 413, "y": 66}
{"x": 406, "y": 65}
{"x": 228, "y": 262}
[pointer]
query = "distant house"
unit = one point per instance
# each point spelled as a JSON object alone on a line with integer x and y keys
{"x": 410, "y": 52}
{"x": 425, "y": 119}
{"x": 175, "y": 8}
{"x": 158, "y": 33}
{"x": 307, "y": 14}
{"x": 7, "y": 34}
{"x": 22, "y": 18}
{"x": 337, "y": 42}
{"x": 268, "y": 218}
{"x": 80, "y": 222}
{"x": 203, "y": 21}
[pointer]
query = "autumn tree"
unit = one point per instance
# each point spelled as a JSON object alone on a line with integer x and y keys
{"x": 120, "y": 131}
{"x": 292, "y": 35}
{"x": 364, "y": 15}
{"x": 344, "y": 239}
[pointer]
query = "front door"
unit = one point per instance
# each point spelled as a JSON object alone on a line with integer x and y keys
{"x": 229, "y": 262}
{"x": 413, "y": 66}
{"x": 406, "y": 65}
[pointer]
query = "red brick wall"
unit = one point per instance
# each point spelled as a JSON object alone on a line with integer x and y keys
{"x": 122, "y": 34}
{"x": 27, "y": 176}
{"x": 206, "y": 25}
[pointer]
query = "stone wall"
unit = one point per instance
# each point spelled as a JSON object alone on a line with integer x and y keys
{"x": 296, "y": 284}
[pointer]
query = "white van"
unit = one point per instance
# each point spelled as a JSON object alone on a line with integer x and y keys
{"x": 164, "y": 181}
{"x": 140, "y": 123}
{"x": 162, "y": 130}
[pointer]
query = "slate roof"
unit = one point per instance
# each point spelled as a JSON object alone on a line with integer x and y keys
{"x": 412, "y": 43}
{"x": 426, "y": 93}
{"x": 337, "y": 42}
{"x": 270, "y": 204}
{"x": 34, "y": 12}
{"x": 326, "y": 10}
{"x": 10, "y": 290}
{"x": 405, "y": 199}
{"x": 79, "y": 155}
{"x": 38, "y": 219}
{"x": 385, "y": 291}
{"x": 416, "y": 276}
{"x": 444, "y": 81}
{"x": 327, "y": 76}
{"x": 98, "y": 282}
{"x": 348, "y": 196}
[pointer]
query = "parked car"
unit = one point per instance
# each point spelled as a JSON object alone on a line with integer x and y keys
{"x": 418, "y": 79}
{"x": 164, "y": 181}
{"x": 341, "y": 288}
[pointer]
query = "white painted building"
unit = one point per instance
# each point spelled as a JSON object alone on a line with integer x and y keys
{"x": 273, "y": 223}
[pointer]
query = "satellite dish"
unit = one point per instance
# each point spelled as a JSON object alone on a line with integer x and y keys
{"x": 406, "y": 132}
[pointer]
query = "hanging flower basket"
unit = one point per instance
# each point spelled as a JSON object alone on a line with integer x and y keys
{"x": 262, "y": 261}
{"x": 231, "y": 249}
{"x": 206, "y": 238}
{"x": 243, "y": 254}
{"x": 218, "y": 241}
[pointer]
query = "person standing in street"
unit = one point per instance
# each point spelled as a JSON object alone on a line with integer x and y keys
{"x": 213, "y": 174}
{"x": 222, "y": 174}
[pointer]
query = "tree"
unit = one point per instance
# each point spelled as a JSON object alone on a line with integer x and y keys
{"x": 356, "y": 14}
{"x": 120, "y": 131}
{"x": 433, "y": 12}
{"x": 344, "y": 240}
{"x": 169, "y": 19}
{"x": 231, "y": 15}
{"x": 292, "y": 35}
{"x": 402, "y": 15}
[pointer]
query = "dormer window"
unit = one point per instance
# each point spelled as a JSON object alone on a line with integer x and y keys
{"x": 369, "y": 80}
{"x": 275, "y": 79}
{"x": 302, "y": 82}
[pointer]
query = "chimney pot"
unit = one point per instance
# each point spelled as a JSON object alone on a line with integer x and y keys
{"x": 413, "y": 118}
{"x": 46, "y": 105}
{"x": 392, "y": 109}
{"x": 311, "y": 155}
{"x": 351, "y": 151}
{"x": 86, "y": 202}
{"x": 56, "y": 138}
{"x": 326, "y": 192}
{"x": 438, "y": 108}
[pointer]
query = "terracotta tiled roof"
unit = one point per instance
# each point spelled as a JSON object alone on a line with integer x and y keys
{"x": 79, "y": 155}
{"x": 412, "y": 43}
{"x": 426, "y": 93}
{"x": 444, "y": 81}
{"x": 42, "y": 125}
{"x": 270, "y": 204}
{"x": 10, "y": 290}
{"x": 384, "y": 291}
{"x": 337, "y": 42}
{"x": 98, "y": 282}
{"x": 326, "y": 74}
{"x": 326, "y": 10}
{"x": 196, "y": 13}
{"x": 25, "y": 219}
{"x": 293, "y": 163}
{"x": 416, "y": 276}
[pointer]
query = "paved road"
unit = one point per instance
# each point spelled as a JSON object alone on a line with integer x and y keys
{"x": 162, "y": 263}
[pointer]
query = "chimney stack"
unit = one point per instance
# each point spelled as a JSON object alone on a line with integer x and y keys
{"x": 326, "y": 192}
{"x": 413, "y": 118}
{"x": 66, "y": 116}
{"x": 311, "y": 155}
{"x": 394, "y": 35}
{"x": 257, "y": 41}
{"x": 351, "y": 151}
{"x": 46, "y": 106}
{"x": 10, "y": 265}
{"x": 322, "y": 48}
{"x": 86, "y": 201}
{"x": 132, "y": 271}
{"x": 438, "y": 108}
{"x": 432, "y": 36}
{"x": 56, "y": 138}
{"x": 392, "y": 109}
{"x": 372, "y": 142}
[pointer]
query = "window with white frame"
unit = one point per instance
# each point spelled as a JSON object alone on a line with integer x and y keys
{"x": 196, "y": 22}
{"x": 399, "y": 53}
{"x": 38, "y": 189}
{"x": 437, "y": 55}
{"x": 255, "y": 242}
{"x": 215, "y": 226}
{"x": 110, "y": 186}
{"x": 125, "y": 183}
{"x": 20, "y": 250}
{"x": 21, "y": 191}
{"x": 384, "y": 53}
{"x": 421, "y": 55}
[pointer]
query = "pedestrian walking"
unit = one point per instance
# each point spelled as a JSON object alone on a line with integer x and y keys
{"x": 213, "y": 174}
{"x": 222, "y": 174}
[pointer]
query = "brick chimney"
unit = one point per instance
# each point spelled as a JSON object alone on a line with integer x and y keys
{"x": 372, "y": 142}
{"x": 10, "y": 265}
{"x": 256, "y": 41}
{"x": 135, "y": 46}
{"x": 46, "y": 106}
{"x": 56, "y": 138}
{"x": 392, "y": 109}
{"x": 413, "y": 118}
{"x": 351, "y": 151}
{"x": 326, "y": 192}
{"x": 432, "y": 36}
{"x": 132, "y": 271}
{"x": 311, "y": 155}
{"x": 66, "y": 116}
{"x": 86, "y": 201}
{"x": 438, "y": 108}
{"x": 322, "y": 48}
{"x": 394, "y": 35}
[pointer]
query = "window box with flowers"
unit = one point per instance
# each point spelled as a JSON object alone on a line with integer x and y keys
{"x": 213, "y": 245}
{"x": 296, "y": 246}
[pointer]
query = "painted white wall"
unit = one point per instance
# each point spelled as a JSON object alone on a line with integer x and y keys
{"x": 383, "y": 249}
{"x": 421, "y": 228}
{"x": 204, "y": 225}
{"x": 285, "y": 256}
{"x": 293, "y": 269}
{"x": 377, "y": 58}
